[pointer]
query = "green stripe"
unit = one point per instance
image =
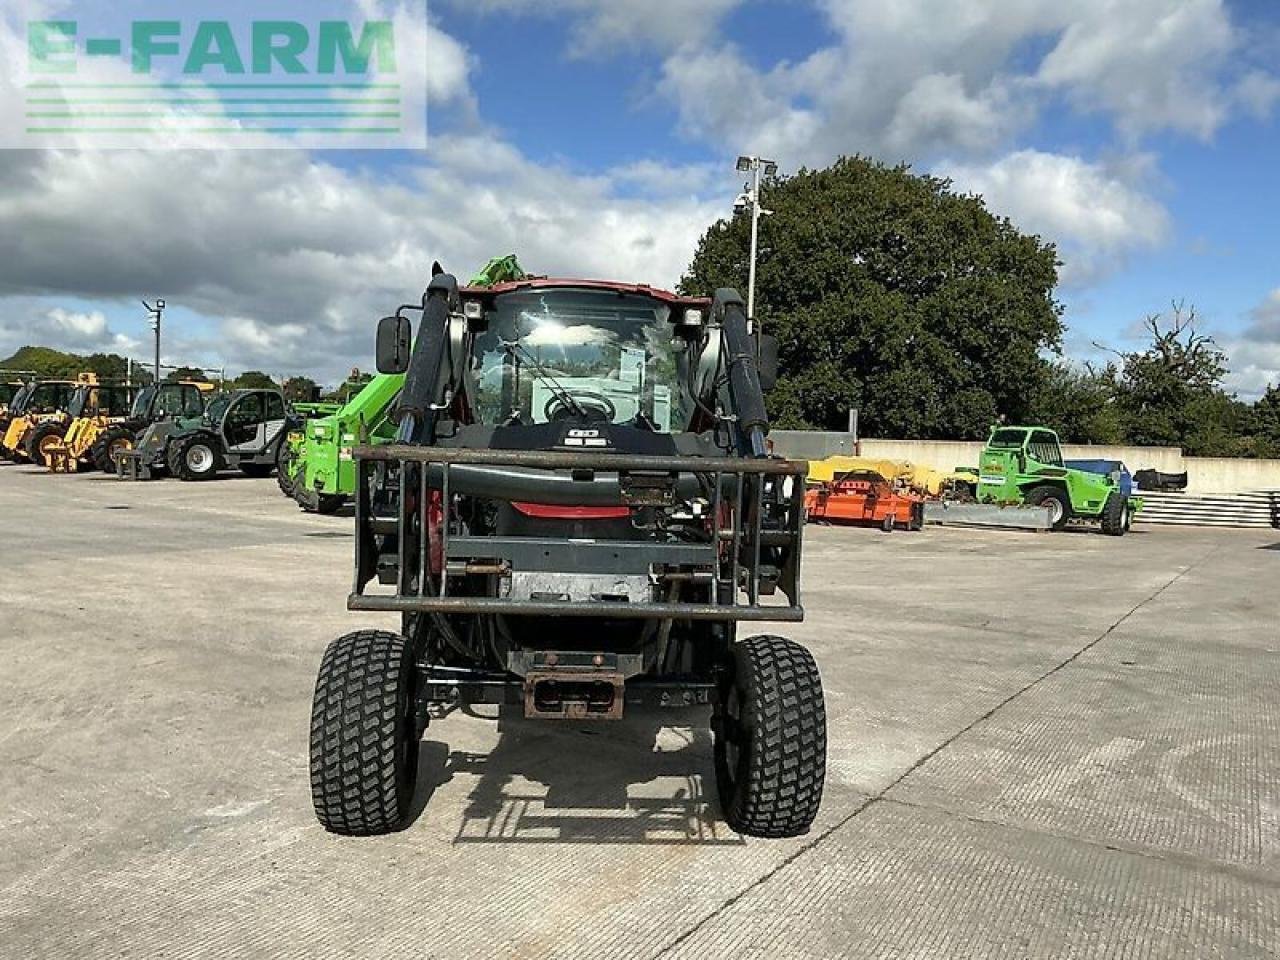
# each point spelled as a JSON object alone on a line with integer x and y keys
{"x": 213, "y": 100}
{"x": 46, "y": 84}
{"x": 107, "y": 115}
{"x": 214, "y": 130}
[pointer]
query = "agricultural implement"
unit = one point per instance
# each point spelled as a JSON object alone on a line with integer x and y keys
{"x": 316, "y": 466}
{"x": 577, "y": 512}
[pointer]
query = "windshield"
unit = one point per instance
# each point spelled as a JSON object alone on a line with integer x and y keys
{"x": 78, "y": 401}
{"x": 142, "y": 402}
{"x": 7, "y": 392}
{"x": 21, "y": 397}
{"x": 217, "y": 407}
{"x": 1009, "y": 439}
{"x": 583, "y": 355}
{"x": 48, "y": 398}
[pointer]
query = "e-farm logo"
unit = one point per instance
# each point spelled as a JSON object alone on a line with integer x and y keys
{"x": 322, "y": 81}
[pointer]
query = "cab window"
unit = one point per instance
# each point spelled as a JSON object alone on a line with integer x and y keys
{"x": 1044, "y": 447}
{"x": 275, "y": 408}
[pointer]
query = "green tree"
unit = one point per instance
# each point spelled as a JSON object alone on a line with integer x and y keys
{"x": 301, "y": 389}
{"x": 891, "y": 293}
{"x": 1080, "y": 404}
{"x": 1166, "y": 390}
{"x": 254, "y": 380}
{"x": 1267, "y": 417}
{"x": 186, "y": 373}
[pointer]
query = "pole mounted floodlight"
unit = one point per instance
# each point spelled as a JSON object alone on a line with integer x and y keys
{"x": 750, "y": 198}
{"x": 156, "y": 314}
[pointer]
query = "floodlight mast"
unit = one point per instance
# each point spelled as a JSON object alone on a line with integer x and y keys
{"x": 156, "y": 313}
{"x": 750, "y": 198}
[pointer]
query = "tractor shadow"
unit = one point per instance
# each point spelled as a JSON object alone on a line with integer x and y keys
{"x": 646, "y": 779}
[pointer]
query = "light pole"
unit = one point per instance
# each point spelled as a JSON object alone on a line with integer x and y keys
{"x": 156, "y": 313}
{"x": 750, "y": 197}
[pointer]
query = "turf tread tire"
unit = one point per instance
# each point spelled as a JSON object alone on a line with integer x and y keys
{"x": 777, "y": 788}
{"x": 362, "y": 770}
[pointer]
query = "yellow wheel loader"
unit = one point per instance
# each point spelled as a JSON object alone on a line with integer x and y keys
{"x": 93, "y": 412}
{"x": 35, "y": 406}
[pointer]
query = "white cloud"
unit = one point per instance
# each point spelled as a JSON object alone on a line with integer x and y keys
{"x": 1090, "y": 211}
{"x": 601, "y": 25}
{"x": 80, "y": 331}
{"x": 1254, "y": 354}
{"x": 919, "y": 79}
{"x": 295, "y": 258}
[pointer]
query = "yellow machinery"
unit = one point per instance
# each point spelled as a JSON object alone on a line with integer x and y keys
{"x": 94, "y": 411}
{"x": 44, "y": 406}
{"x": 922, "y": 480}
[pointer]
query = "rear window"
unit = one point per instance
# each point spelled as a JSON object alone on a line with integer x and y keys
{"x": 1007, "y": 438}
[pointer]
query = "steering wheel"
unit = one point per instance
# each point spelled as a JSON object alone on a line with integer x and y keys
{"x": 596, "y": 406}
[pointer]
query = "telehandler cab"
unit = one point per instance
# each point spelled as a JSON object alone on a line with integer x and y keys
{"x": 576, "y": 514}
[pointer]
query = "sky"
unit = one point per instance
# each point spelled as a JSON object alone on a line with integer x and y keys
{"x": 597, "y": 138}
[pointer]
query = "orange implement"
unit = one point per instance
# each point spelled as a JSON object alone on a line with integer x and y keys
{"x": 864, "y": 498}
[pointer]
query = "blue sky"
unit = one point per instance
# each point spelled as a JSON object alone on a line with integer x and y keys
{"x": 596, "y": 137}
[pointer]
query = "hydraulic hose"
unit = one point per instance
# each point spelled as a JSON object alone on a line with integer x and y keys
{"x": 416, "y": 413}
{"x": 745, "y": 392}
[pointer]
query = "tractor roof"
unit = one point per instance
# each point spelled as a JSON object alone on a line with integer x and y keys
{"x": 546, "y": 283}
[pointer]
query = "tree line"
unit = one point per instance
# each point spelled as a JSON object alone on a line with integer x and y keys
{"x": 895, "y": 295}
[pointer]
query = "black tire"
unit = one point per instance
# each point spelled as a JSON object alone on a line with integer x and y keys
{"x": 1056, "y": 498}
{"x": 364, "y": 735}
{"x": 771, "y": 739}
{"x": 194, "y": 457}
{"x": 285, "y": 460}
{"x": 111, "y": 441}
{"x": 1115, "y": 515}
{"x": 40, "y": 437}
{"x": 257, "y": 470}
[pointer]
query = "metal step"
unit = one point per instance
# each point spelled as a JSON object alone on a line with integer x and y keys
{"x": 1260, "y": 509}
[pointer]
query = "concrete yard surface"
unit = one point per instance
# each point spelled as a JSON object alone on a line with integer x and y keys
{"x": 1059, "y": 745}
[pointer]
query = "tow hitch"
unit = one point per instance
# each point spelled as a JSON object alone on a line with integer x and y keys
{"x": 574, "y": 686}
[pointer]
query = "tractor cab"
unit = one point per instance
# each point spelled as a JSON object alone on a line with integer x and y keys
{"x": 167, "y": 400}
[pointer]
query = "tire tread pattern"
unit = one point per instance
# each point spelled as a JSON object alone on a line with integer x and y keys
{"x": 357, "y": 786}
{"x": 781, "y": 791}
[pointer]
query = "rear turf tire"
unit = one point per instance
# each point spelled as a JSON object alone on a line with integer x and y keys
{"x": 194, "y": 457}
{"x": 771, "y": 739}
{"x": 1115, "y": 515}
{"x": 1056, "y": 499}
{"x": 364, "y": 736}
{"x": 286, "y": 458}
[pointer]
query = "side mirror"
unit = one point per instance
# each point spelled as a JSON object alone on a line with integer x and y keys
{"x": 768, "y": 361}
{"x": 395, "y": 342}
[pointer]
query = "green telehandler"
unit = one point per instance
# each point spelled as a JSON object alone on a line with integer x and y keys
{"x": 315, "y": 465}
{"x": 1023, "y": 481}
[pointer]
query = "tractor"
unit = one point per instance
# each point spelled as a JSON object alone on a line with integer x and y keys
{"x": 239, "y": 430}
{"x": 39, "y": 404}
{"x": 316, "y": 468}
{"x": 577, "y": 511}
{"x": 92, "y": 413}
{"x": 1023, "y": 466}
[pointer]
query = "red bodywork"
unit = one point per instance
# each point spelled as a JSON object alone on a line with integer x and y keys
{"x": 865, "y": 499}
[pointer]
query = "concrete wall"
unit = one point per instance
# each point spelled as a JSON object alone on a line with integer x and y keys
{"x": 1204, "y": 474}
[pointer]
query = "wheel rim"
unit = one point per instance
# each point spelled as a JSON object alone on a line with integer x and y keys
{"x": 1055, "y": 510}
{"x": 47, "y": 446}
{"x": 118, "y": 446}
{"x": 199, "y": 459}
